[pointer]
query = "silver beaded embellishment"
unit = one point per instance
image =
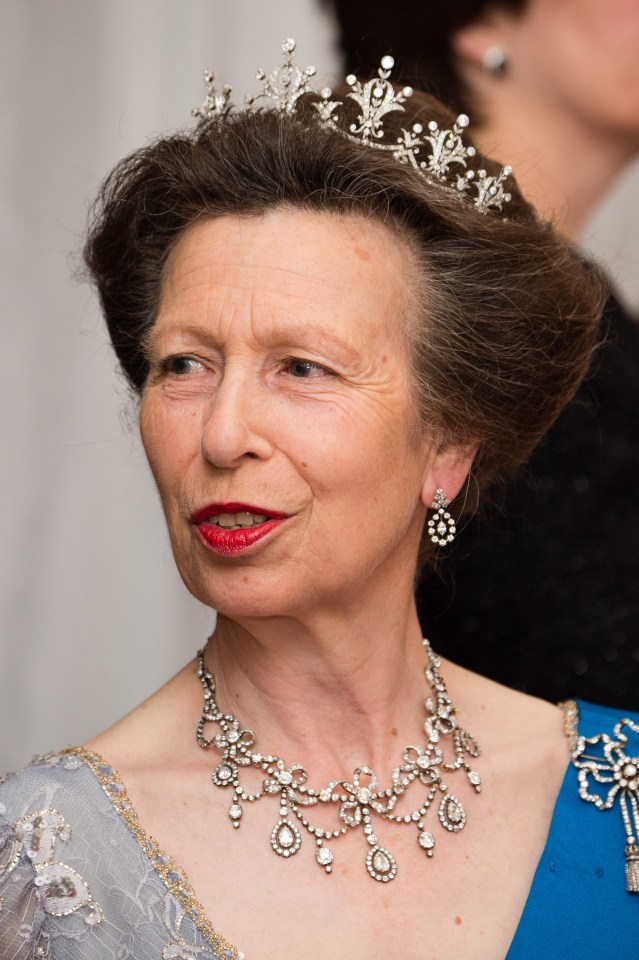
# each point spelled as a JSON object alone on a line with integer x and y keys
{"x": 439, "y": 155}
{"x": 357, "y": 801}
{"x": 608, "y": 772}
{"x": 441, "y": 527}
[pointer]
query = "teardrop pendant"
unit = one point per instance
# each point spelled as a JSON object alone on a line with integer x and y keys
{"x": 285, "y": 838}
{"x": 452, "y": 815}
{"x": 381, "y": 864}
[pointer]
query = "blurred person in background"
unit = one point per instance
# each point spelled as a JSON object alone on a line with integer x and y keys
{"x": 552, "y": 86}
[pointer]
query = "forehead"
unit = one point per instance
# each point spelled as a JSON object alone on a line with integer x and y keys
{"x": 340, "y": 271}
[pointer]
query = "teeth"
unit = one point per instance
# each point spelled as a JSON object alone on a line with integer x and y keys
{"x": 244, "y": 519}
{"x": 225, "y": 520}
{"x": 236, "y": 521}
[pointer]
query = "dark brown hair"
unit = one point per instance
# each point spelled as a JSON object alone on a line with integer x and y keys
{"x": 418, "y": 35}
{"x": 506, "y": 313}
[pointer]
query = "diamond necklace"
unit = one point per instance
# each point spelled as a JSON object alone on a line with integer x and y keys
{"x": 357, "y": 800}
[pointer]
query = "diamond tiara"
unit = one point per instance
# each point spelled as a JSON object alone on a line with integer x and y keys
{"x": 439, "y": 155}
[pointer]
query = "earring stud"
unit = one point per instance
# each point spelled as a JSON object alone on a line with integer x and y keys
{"x": 441, "y": 527}
{"x": 495, "y": 60}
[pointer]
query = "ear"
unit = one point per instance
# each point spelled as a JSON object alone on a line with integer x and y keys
{"x": 492, "y": 29}
{"x": 471, "y": 42}
{"x": 448, "y": 471}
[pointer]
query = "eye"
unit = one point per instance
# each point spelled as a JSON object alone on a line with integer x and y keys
{"x": 181, "y": 365}
{"x": 305, "y": 369}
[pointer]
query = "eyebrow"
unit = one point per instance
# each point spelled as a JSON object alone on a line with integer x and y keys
{"x": 280, "y": 335}
{"x": 285, "y": 335}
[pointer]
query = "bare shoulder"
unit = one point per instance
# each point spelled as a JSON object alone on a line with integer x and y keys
{"x": 156, "y": 730}
{"x": 519, "y": 734}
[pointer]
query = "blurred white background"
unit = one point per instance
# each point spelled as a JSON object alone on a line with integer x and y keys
{"x": 94, "y": 616}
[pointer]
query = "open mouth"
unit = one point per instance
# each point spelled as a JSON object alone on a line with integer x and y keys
{"x": 231, "y": 528}
{"x": 238, "y": 521}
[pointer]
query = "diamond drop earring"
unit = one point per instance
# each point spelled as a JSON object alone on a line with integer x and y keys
{"x": 441, "y": 527}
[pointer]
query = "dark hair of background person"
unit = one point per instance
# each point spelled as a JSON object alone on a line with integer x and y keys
{"x": 418, "y": 39}
{"x": 507, "y": 313}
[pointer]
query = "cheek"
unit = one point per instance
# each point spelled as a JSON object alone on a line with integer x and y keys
{"x": 363, "y": 463}
{"x": 590, "y": 61}
{"x": 169, "y": 443}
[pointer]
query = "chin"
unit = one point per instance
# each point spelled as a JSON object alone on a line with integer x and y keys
{"x": 239, "y": 596}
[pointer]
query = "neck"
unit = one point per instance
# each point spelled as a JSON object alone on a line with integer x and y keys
{"x": 563, "y": 165}
{"x": 333, "y": 692}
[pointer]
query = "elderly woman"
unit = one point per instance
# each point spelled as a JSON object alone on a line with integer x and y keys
{"x": 338, "y": 318}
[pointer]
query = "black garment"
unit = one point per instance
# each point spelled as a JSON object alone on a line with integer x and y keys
{"x": 544, "y": 597}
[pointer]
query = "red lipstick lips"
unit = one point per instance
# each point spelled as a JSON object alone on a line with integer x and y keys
{"x": 225, "y": 541}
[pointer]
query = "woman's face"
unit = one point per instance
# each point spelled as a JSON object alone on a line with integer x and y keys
{"x": 279, "y": 389}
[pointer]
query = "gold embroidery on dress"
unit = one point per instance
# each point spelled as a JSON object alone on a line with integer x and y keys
{"x": 173, "y": 877}
{"x": 570, "y": 711}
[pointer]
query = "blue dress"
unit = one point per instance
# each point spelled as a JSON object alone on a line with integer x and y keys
{"x": 578, "y": 905}
{"x": 81, "y": 880}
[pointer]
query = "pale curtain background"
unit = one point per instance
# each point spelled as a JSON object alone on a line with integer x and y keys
{"x": 94, "y": 616}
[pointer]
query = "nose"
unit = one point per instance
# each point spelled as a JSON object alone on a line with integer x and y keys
{"x": 235, "y": 423}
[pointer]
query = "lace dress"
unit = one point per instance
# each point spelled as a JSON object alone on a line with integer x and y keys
{"x": 79, "y": 878}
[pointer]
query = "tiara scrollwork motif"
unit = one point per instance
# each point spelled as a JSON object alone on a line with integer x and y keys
{"x": 285, "y": 84}
{"x": 439, "y": 155}
{"x": 216, "y": 104}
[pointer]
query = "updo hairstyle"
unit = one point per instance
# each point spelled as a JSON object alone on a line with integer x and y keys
{"x": 505, "y": 314}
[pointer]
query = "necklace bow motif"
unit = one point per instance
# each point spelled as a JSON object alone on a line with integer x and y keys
{"x": 608, "y": 768}
{"x": 357, "y": 800}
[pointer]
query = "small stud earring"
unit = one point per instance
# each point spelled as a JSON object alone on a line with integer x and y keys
{"x": 441, "y": 527}
{"x": 495, "y": 60}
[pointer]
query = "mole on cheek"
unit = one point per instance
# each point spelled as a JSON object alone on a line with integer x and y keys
{"x": 458, "y": 921}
